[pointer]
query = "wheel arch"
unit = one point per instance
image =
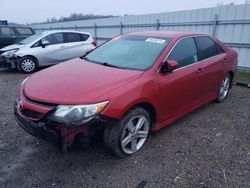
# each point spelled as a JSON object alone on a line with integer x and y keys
{"x": 31, "y": 57}
{"x": 148, "y": 107}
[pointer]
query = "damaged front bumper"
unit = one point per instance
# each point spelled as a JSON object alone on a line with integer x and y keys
{"x": 9, "y": 63}
{"x": 62, "y": 135}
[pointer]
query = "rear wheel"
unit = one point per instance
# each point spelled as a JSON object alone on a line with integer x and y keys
{"x": 129, "y": 134}
{"x": 27, "y": 65}
{"x": 224, "y": 88}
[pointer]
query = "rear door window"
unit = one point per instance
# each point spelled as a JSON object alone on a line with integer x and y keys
{"x": 72, "y": 37}
{"x": 56, "y": 38}
{"x": 184, "y": 52}
{"x": 6, "y": 31}
{"x": 207, "y": 47}
{"x": 24, "y": 30}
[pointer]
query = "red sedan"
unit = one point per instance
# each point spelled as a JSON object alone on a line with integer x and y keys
{"x": 126, "y": 87}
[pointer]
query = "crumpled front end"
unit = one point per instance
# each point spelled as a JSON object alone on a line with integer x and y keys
{"x": 9, "y": 63}
{"x": 34, "y": 117}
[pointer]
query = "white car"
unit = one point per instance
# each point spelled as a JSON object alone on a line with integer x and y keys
{"x": 47, "y": 48}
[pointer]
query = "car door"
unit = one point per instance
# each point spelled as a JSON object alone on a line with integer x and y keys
{"x": 74, "y": 45}
{"x": 181, "y": 89}
{"x": 54, "y": 52}
{"x": 212, "y": 59}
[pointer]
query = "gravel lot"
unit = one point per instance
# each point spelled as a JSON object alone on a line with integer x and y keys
{"x": 208, "y": 148}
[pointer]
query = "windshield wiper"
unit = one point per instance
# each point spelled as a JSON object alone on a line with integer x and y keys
{"x": 102, "y": 63}
{"x": 110, "y": 65}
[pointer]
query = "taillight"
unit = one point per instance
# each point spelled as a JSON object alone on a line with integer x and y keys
{"x": 94, "y": 42}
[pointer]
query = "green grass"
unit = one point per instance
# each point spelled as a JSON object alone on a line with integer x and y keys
{"x": 242, "y": 76}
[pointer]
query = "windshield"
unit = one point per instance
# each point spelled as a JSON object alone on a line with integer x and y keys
{"x": 31, "y": 38}
{"x": 131, "y": 52}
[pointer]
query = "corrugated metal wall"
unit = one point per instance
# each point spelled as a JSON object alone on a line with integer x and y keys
{"x": 231, "y": 24}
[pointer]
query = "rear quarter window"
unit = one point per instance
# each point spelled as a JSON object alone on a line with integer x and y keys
{"x": 207, "y": 47}
{"x": 84, "y": 37}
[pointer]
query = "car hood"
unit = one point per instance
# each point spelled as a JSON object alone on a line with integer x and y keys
{"x": 76, "y": 82}
{"x": 12, "y": 47}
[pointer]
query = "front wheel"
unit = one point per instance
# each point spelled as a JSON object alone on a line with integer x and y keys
{"x": 130, "y": 134}
{"x": 224, "y": 88}
{"x": 27, "y": 65}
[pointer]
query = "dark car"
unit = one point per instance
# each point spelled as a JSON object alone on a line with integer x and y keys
{"x": 13, "y": 34}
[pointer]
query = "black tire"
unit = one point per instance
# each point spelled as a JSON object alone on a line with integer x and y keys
{"x": 30, "y": 68}
{"x": 223, "y": 90}
{"x": 114, "y": 132}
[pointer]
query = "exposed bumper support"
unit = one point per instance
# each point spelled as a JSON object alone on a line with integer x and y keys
{"x": 56, "y": 133}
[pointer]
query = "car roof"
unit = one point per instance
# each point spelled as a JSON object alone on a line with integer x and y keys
{"x": 64, "y": 31}
{"x": 165, "y": 34}
{"x": 19, "y": 26}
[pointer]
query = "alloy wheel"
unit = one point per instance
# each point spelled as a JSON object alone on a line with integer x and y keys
{"x": 134, "y": 134}
{"x": 224, "y": 89}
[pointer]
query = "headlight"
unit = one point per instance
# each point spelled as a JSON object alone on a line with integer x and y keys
{"x": 10, "y": 53}
{"x": 77, "y": 114}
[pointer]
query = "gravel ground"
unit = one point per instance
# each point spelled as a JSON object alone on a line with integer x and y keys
{"x": 208, "y": 148}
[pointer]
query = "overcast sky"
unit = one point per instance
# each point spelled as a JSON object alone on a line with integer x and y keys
{"x": 27, "y": 11}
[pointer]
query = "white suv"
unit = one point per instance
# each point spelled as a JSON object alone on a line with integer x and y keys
{"x": 47, "y": 48}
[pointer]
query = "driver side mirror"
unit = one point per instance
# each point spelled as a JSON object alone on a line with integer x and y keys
{"x": 168, "y": 66}
{"x": 45, "y": 43}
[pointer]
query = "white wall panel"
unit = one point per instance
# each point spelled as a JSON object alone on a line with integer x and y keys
{"x": 232, "y": 32}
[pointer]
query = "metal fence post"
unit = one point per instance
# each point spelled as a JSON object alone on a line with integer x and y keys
{"x": 95, "y": 31}
{"x": 121, "y": 28}
{"x": 215, "y": 24}
{"x": 157, "y": 24}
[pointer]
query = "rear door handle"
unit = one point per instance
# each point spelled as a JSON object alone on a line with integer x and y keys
{"x": 200, "y": 70}
{"x": 225, "y": 60}
{"x": 62, "y": 46}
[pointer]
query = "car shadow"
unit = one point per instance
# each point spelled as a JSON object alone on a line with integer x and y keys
{"x": 12, "y": 71}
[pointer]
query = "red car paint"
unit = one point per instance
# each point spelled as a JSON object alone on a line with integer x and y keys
{"x": 171, "y": 95}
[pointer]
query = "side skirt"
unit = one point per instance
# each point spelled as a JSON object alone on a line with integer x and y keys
{"x": 167, "y": 122}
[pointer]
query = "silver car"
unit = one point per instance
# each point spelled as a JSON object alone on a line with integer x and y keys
{"x": 47, "y": 48}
